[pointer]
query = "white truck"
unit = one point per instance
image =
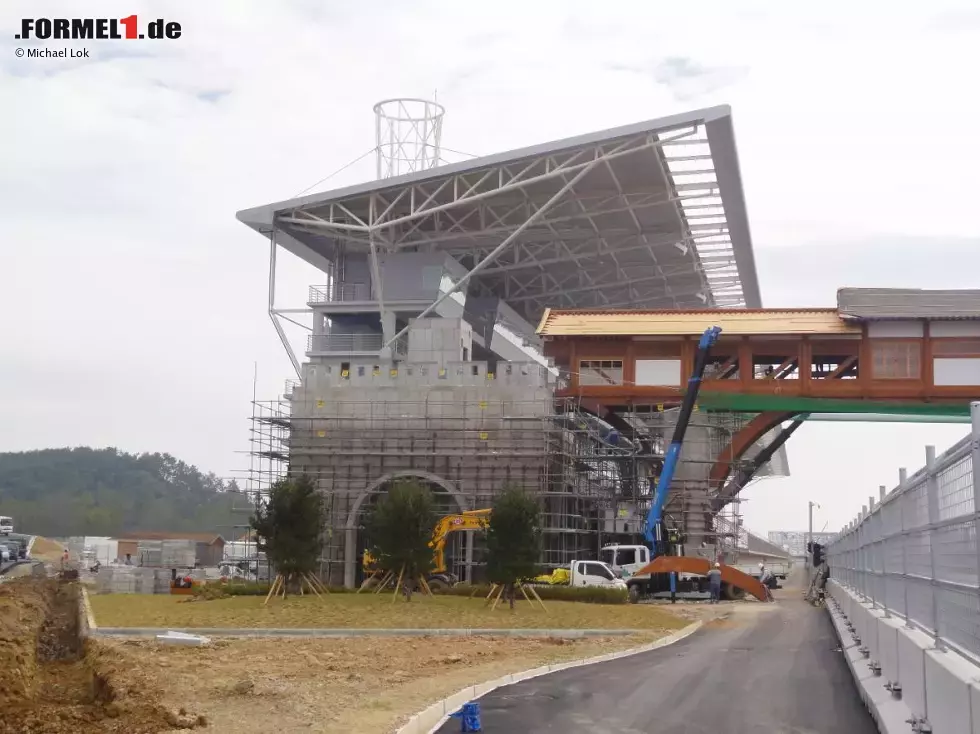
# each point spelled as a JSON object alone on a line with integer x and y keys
{"x": 626, "y": 560}
{"x": 779, "y": 569}
{"x": 583, "y": 573}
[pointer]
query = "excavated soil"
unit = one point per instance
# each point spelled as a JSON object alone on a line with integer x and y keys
{"x": 54, "y": 682}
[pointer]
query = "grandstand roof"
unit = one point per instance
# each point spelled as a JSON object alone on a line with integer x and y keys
{"x": 649, "y": 215}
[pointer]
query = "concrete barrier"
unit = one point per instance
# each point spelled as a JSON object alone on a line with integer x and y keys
{"x": 432, "y": 718}
{"x": 908, "y": 682}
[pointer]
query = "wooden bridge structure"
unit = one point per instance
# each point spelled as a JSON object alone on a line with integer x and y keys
{"x": 880, "y": 351}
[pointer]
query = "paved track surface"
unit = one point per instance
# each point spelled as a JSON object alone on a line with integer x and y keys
{"x": 771, "y": 669}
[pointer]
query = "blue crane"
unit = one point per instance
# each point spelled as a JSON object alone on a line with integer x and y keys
{"x": 653, "y": 526}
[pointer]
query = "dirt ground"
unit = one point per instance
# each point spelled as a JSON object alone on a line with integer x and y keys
{"x": 370, "y": 610}
{"x": 47, "y": 550}
{"x": 354, "y": 685}
{"x": 52, "y": 683}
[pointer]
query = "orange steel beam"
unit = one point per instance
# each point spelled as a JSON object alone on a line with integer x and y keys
{"x": 689, "y": 564}
{"x": 742, "y": 441}
{"x": 842, "y": 368}
{"x": 726, "y": 368}
{"x": 787, "y": 364}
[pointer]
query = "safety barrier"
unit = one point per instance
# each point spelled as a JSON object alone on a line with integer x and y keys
{"x": 905, "y": 585}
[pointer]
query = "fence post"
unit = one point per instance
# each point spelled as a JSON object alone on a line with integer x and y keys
{"x": 872, "y": 551}
{"x": 862, "y": 542}
{"x": 932, "y": 497}
{"x": 903, "y": 477}
{"x": 882, "y": 545}
{"x": 975, "y": 462}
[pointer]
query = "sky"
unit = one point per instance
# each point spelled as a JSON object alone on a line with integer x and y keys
{"x": 133, "y": 304}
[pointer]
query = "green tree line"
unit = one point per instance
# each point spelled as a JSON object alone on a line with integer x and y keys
{"x": 84, "y": 491}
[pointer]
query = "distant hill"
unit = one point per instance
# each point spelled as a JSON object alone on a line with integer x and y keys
{"x": 83, "y": 491}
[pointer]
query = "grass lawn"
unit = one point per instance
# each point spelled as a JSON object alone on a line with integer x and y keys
{"x": 370, "y": 611}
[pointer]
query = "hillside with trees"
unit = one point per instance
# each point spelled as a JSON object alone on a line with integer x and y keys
{"x": 83, "y": 491}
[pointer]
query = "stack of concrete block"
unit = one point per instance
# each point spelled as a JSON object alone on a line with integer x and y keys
{"x": 178, "y": 553}
{"x": 133, "y": 580}
{"x": 115, "y": 581}
{"x": 150, "y": 552}
{"x": 125, "y": 580}
{"x": 161, "y": 581}
{"x": 167, "y": 553}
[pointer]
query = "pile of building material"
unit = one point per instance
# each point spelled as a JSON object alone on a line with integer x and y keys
{"x": 133, "y": 580}
{"x": 167, "y": 553}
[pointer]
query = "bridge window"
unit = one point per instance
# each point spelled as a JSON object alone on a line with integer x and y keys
{"x": 600, "y": 372}
{"x": 956, "y": 362}
{"x": 896, "y": 360}
{"x": 658, "y": 372}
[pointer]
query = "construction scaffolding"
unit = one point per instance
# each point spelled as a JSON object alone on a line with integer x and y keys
{"x": 468, "y": 433}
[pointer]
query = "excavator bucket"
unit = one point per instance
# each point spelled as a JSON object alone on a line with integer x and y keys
{"x": 688, "y": 564}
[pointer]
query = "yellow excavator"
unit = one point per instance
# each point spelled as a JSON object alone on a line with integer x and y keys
{"x": 439, "y": 576}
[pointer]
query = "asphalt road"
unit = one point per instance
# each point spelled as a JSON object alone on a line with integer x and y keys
{"x": 771, "y": 671}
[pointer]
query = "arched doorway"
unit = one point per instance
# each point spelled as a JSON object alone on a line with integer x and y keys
{"x": 448, "y": 500}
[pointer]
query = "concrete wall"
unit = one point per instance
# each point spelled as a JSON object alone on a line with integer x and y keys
{"x": 468, "y": 431}
{"x": 939, "y": 687}
{"x": 440, "y": 341}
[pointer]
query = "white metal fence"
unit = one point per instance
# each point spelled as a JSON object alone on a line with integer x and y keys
{"x": 913, "y": 552}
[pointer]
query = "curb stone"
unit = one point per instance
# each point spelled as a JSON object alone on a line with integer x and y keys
{"x": 87, "y": 617}
{"x": 349, "y": 632}
{"x": 430, "y": 719}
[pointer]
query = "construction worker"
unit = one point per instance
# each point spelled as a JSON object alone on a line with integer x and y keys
{"x": 714, "y": 582}
{"x": 765, "y": 577}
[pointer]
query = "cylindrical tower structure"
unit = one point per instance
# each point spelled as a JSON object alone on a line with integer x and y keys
{"x": 408, "y": 134}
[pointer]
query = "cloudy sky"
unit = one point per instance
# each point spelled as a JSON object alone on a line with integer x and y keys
{"x": 133, "y": 303}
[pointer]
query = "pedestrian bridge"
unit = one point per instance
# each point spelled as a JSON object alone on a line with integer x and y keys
{"x": 888, "y": 352}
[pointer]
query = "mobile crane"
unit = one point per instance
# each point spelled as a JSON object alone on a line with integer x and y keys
{"x": 636, "y": 563}
{"x": 646, "y": 567}
{"x": 653, "y": 527}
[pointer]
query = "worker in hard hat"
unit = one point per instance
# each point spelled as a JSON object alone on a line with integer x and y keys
{"x": 766, "y": 578}
{"x": 714, "y": 582}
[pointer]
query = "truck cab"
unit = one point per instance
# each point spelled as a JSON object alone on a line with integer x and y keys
{"x": 594, "y": 573}
{"x": 625, "y": 560}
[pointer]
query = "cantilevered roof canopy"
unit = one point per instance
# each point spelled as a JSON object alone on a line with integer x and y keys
{"x": 649, "y": 215}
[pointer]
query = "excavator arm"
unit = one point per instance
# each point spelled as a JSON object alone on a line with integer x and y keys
{"x": 469, "y": 520}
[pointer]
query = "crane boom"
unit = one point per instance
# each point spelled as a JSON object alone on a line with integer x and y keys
{"x": 651, "y": 528}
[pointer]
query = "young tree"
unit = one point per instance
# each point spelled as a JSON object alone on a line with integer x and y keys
{"x": 399, "y": 529}
{"x": 288, "y": 527}
{"x": 513, "y": 539}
